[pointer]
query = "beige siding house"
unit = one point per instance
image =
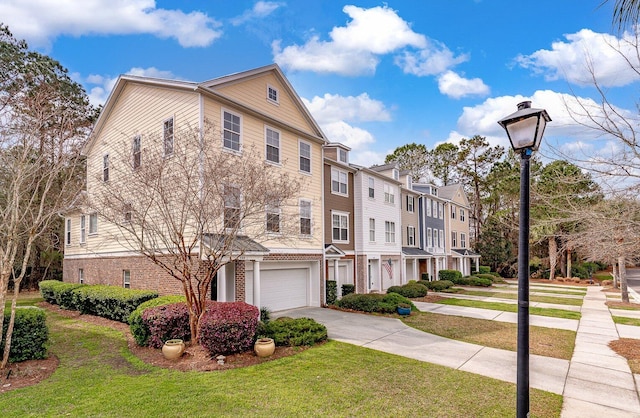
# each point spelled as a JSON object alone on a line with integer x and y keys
{"x": 256, "y": 108}
{"x": 457, "y": 210}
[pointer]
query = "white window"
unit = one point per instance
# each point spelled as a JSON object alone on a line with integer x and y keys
{"x": 339, "y": 181}
{"x": 136, "y": 152}
{"x": 429, "y": 238}
{"x": 272, "y": 94}
{"x": 411, "y": 236}
{"x": 67, "y": 232}
{"x": 388, "y": 194}
{"x": 168, "y": 137}
{"x": 440, "y": 210}
{"x": 454, "y": 239}
{"x": 372, "y": 230}
{"x": 410, "y": 203}
{"x": 396, "y": 174}
{"x": 428, "y": 207}
{"x": 441, "y": 239}
{"x": 462, "y": 215}
{"x": 272, "y": 141}
{"x": 231, "y": 207}
{"x": 435, "y": 238}
{"x": 83, "y": 229}
{"x": 340, "y": 222}
{"x": 105, "y": 167}
{"x": 453, "y": 212}
{"x": 389, "y": 232}
{"x": 305, "y": 217}
{"x": 231, "y": 130}
{"x": 126, "y": 279}
{"x": 93, "y": 223}
{"x": 463, "y": 240}
{"x": 81, "y": 276}
{"x": 305, "y": 156}
{"x": 372, "y": 188}
{"x": 343, "y": 156}
{"x": 273, "y": 218}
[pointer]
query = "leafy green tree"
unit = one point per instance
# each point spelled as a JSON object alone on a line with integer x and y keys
{"x": 411, "y": 157}
{"x": 495, "y": 245}
{"x": 443, "y": 161}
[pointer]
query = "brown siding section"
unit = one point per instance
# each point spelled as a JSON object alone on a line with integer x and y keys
{"x": 338, "y": 203}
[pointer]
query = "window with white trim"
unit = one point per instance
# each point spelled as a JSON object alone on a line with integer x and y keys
{"x": 340, "y": 227}
{"x": 136, "y": 152}
{"x": 389, "y": 232}
{"x": 343, "y": 156}
{"x": 372, "y": 230}
{"x": 453, "y": 212}
{"x": 411, "y": 236}
{"x": 67, "y": 232}
{"x": 429, "y": 238}
{"x": 389, "y": 197}
{"x": 305, "y": 217}
{"x": 81, "y": 276}
{"x": 428, "y": 207}
{"x": 231, "y": 207}
{"x": 372, "y": 188}
{"x": 441, "y": 239}
{"x": 272, "y": 143}
{"x": 105, "y": 167}
{"x": 463, "y": 240}
{"x": 83, "y": 229}
{"x": 93, "y": 223}
{"x": 272, "y": 94}
{"x": 273, "y": 218}
{"x": 454, "y": 239}
{"x": 462, "y": 215}
{"x": 304, "y": 150}
{"x": 410, "y": 204}
{"x": 440, "y": 210}
{"x": 339, "y": 181}
{"x": 167, "y": 129}
{"x": 126, "y": 279}
{"x": 395, "y": 174}
{"x": 435, "y": 238}
{"x": 231, "y": 130}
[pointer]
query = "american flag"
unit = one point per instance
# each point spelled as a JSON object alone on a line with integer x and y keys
{"x": 387, "y": 266}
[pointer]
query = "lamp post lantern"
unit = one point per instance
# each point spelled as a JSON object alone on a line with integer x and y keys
{"x": 524, "y": 129}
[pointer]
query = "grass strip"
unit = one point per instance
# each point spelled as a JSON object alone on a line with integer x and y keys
{"x": 532, "y": 298}
{"x": 511, "y": 307}
{"x": 623, "y": 320}
{"x": 547, "y": 342}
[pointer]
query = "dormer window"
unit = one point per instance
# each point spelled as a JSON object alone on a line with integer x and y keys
{"x": 396, "y": 174}
{"x": 343, "y": 156}
{"x": 272, "y": 94}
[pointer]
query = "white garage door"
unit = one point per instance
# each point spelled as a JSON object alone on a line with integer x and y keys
{"x": 284, "y": 289}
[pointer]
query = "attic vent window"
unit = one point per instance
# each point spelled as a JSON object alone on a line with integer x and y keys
{"x": 272, "y": 94}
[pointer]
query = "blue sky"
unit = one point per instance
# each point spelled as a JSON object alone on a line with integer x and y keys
{"x": 375, "y": 75}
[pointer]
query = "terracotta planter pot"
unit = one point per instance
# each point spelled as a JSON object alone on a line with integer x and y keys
{"x": 173, "y": 349}
{"x": 264, "y": 347}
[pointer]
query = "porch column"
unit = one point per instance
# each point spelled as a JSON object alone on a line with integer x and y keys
{"x": 414, "y": 268}
{"x": 478, "y": 264}
{"x": 336, "y": 276}
{"x": 256, "y": 284}
{"x": 430, "y": 269}
{"x": 222, "y": 283}
{"x": 403, "y": 271}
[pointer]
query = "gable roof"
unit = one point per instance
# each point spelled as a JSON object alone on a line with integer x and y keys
{"x": 449, "y": 193}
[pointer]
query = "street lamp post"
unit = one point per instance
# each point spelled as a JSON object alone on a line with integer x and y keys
{"x": 524, "y": 129}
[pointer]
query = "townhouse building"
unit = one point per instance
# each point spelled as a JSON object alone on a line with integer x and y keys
{"x": 457, "y": 210}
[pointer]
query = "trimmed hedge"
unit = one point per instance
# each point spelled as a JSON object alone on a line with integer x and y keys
{"x": 452, "y": 275}
{"x": 166, "y": 322}
{"x": 59, "y": 293}
{"x": 30, "y": 334}
{"x": 291, "y": 332}
{"x": 348, "y": 289}
{"x": 409, "y": 290}
{"x": 374, "y": 302}
{"x": 110, "y": 302}
{"x": 139, "y": 328}
{"x": 228, "y": 327}
{"x": 479, "y": 281}
{"x": 332, "y": 292}
{"x": 437, "y": 285}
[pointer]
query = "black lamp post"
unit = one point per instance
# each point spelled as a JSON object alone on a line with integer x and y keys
{"x": 525, "y": 129}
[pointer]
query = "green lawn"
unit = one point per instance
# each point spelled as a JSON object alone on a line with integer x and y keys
{"x": 98, "y": 376}
{"x": 532, "y": 298}
{"x": 547, "y": 342}
{"x": 511, "y": 307}
{"x": 626, "y": 321}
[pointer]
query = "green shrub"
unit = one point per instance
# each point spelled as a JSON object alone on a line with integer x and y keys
{"x": 138, "y": 328}
{"x": 410, "y": 290}
{"x": 347, "y": 289}
{"x": 110, "y": 302}
{"x": 48, "y": 290}
{"x": 449, "y": 275}
{"x": 58, "y": 293}
{"x": 265, "y": 315}
{"x": 30, "y": 334}
{"x": 373, "y": 302}
{"x": 479, "y": 281}
{"x": 295, "y": 332}
{"x": 332, "y": 292}
{"x": 484, "y": 269}
{"x": 437, "y": 285}
{"x": 64, "y": 295}
{"x": 424, "y": 276}
{"x": 461, "y": 281}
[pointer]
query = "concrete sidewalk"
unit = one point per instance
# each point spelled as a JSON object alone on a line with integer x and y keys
{"x": 596, "y": 383}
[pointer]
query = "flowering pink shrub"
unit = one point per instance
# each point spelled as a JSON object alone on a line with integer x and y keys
{"x": 167, "y": 322}
{"x": 228, "y": 327}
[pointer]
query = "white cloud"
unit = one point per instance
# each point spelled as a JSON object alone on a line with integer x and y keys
{"x": 260, "y": 10}
{"x": 586, "y": 52}
{"x": 40, "y": 21}
{"x": 355, "y": 138}
{"x": 354, "y": 48}
{"x": 455, "y": 86}
{"x": 434, "y": 59}
{"x": 333, "y": 107}
{"x": 99, "y": 86}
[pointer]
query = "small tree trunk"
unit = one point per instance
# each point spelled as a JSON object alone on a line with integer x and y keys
{"x": 569, "y": 262}
{"x": 12, "y": 318}
{"x": 623, "y": 279}
{"x": 553, "y": 257}
{"x": 615, "y": 274}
